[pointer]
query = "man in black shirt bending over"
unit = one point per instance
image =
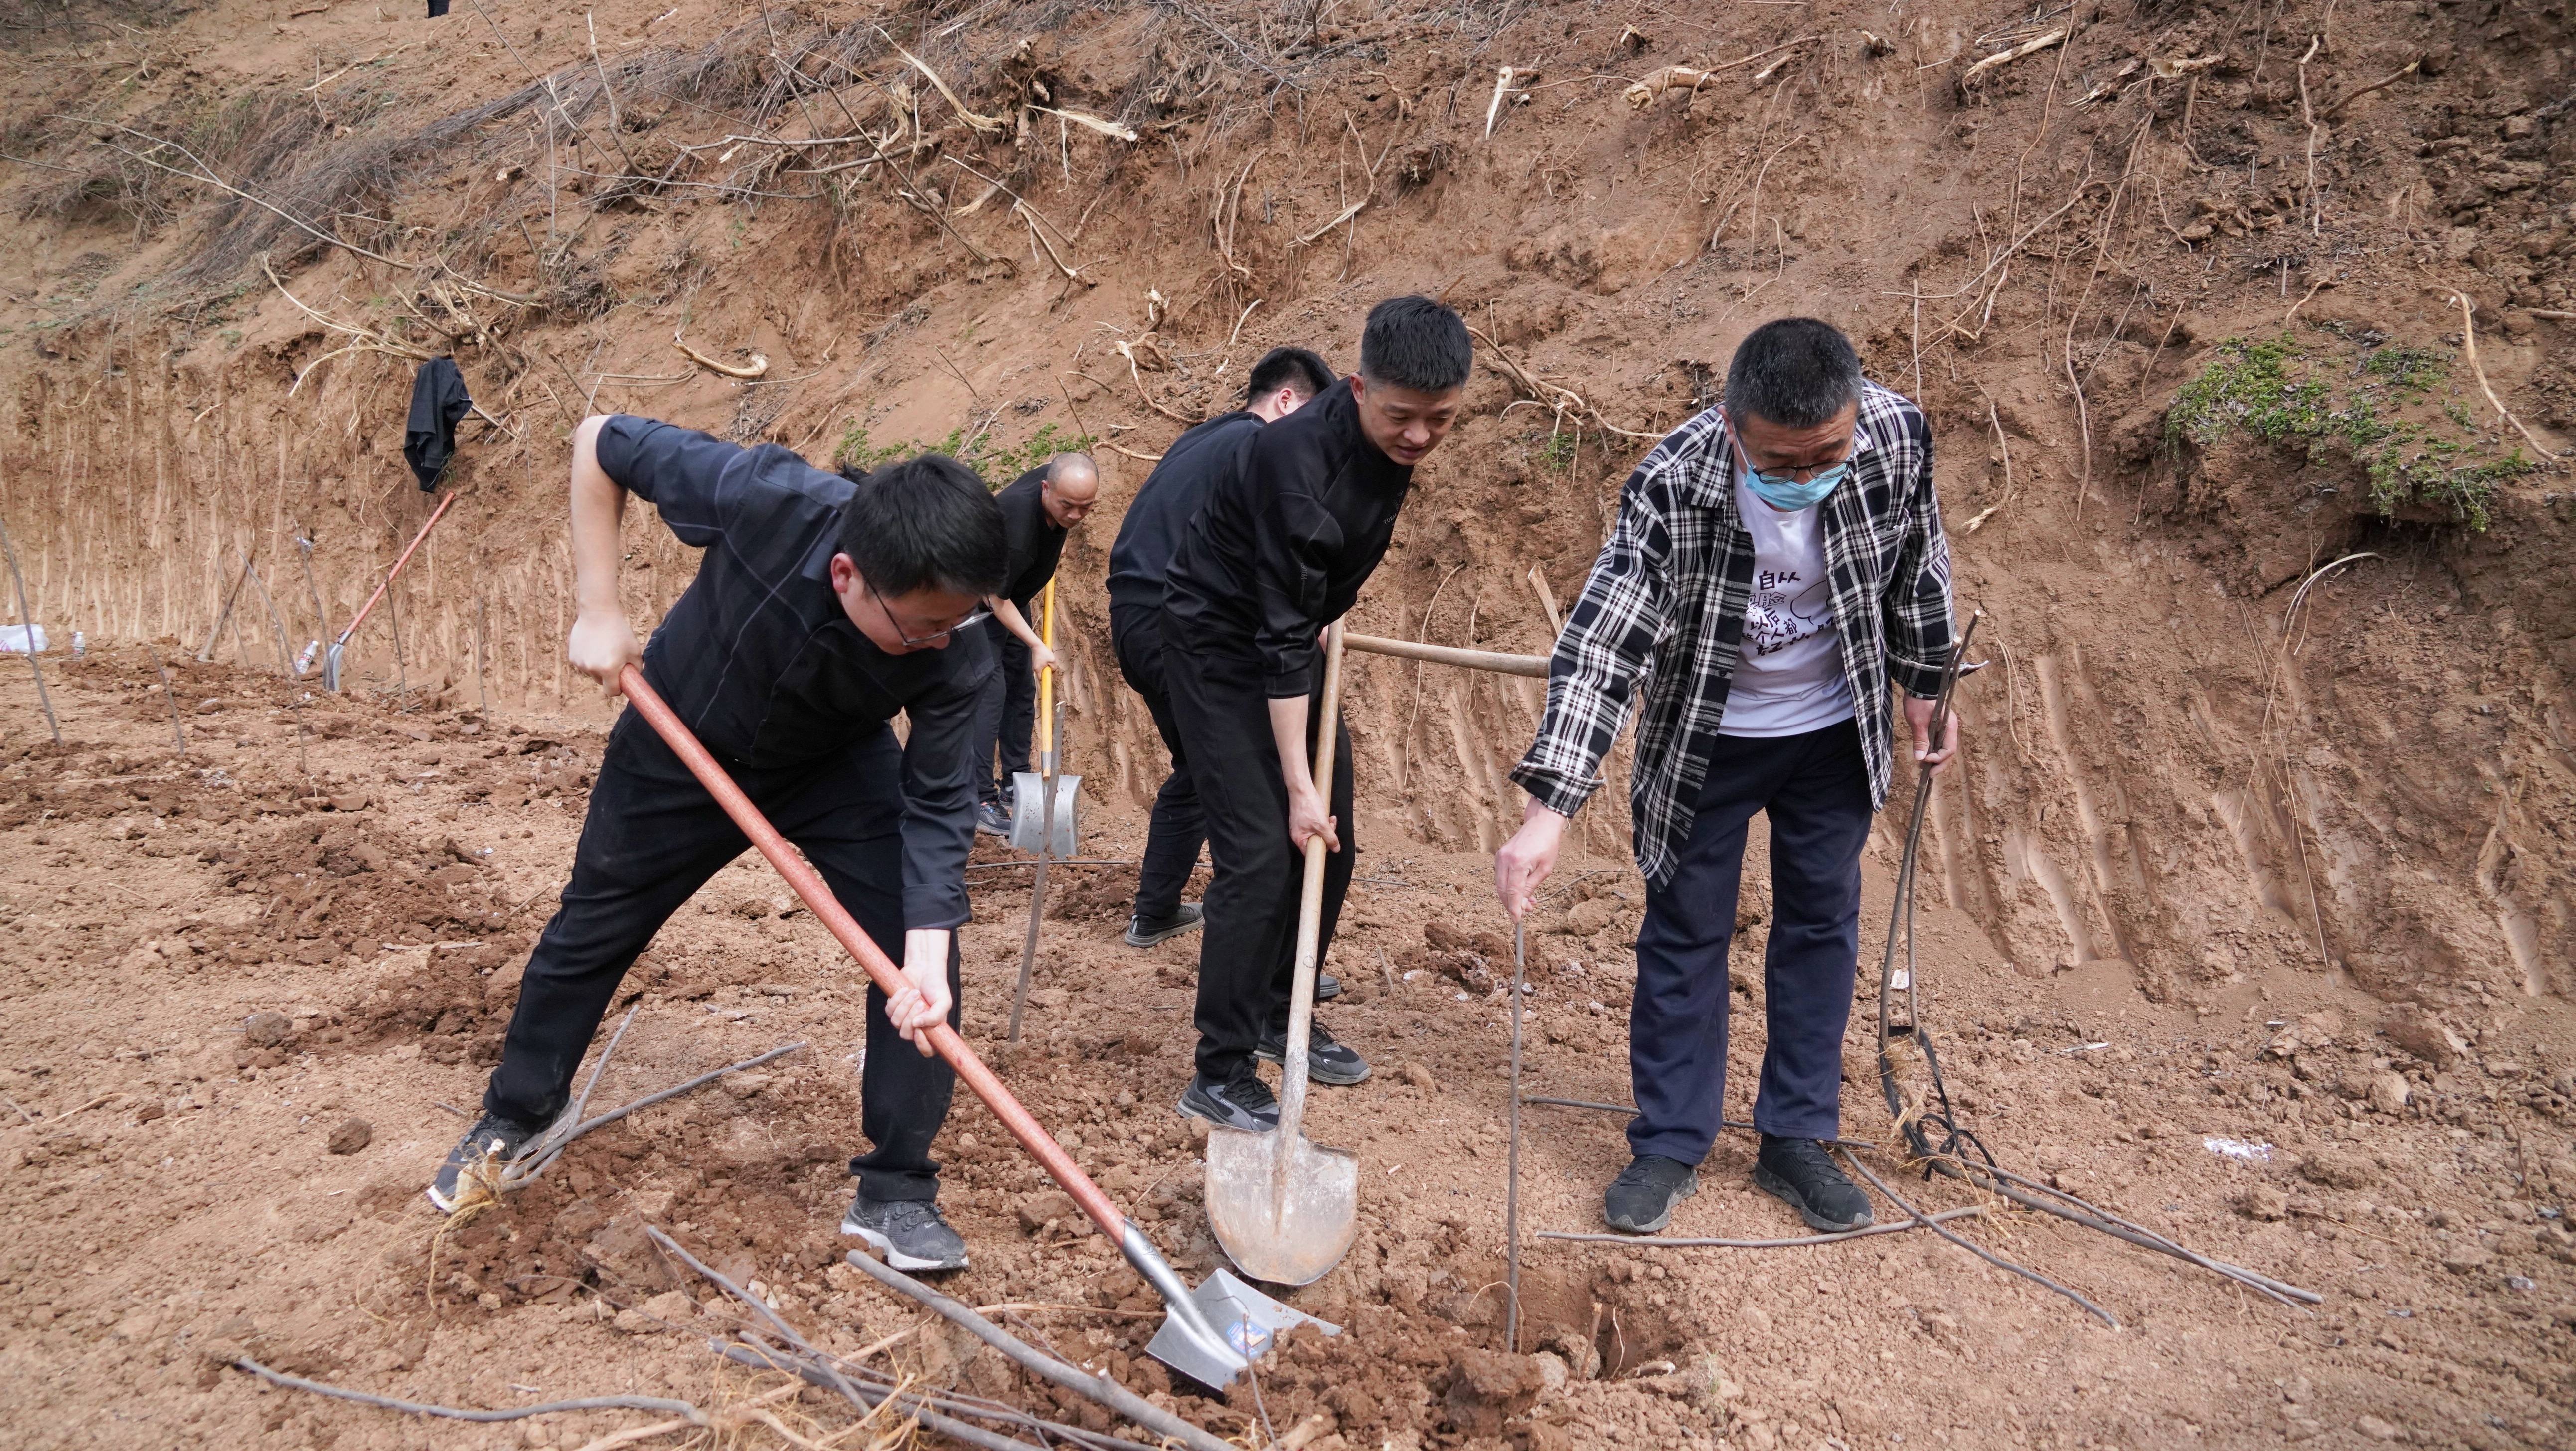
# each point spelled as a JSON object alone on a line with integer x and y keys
{"x": 1038, "y": 509}
{"x": 1139, "y": 562}
{"x": 1279, "y": 551}
{"x": 824, "y": 607}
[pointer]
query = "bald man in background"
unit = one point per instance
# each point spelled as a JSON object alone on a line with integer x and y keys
{"x": 1038, "y": 509}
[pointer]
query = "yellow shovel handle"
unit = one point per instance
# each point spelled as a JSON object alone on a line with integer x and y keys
{"x": 1046, "y": 682}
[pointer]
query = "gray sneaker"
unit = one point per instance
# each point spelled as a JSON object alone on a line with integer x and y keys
{"x": 1146, "y": 931}
{"x": 1326, "y": 1060}
{"x": 1642, "y": 1199}
{"x": 1243, "y": 1102}
{"x": 909, "y": 1232}
{"x": 492, "y": 1134}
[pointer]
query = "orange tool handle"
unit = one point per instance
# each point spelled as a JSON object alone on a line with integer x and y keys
{"x": 810, "y": 889}
{"x": 387, "y": 582}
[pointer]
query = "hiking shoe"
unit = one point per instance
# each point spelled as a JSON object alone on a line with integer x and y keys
{"x": 492, "y": 1134}
{"x": 1802, "y": 1173}
{"x": 1642, "y": 1199}
{"x": 1243, "y": 1102}
{"x": 1143, "y": 931}
{"x": 909, "y": 1232}
{"x": 992, "y": 820}
{"x": 1326, "y": 1060}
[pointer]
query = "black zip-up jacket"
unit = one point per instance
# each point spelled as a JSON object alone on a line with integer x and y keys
{"x": 1284, "y": 543}
{"x": 1141, "y": 561}
{"x": 764, "y": 666}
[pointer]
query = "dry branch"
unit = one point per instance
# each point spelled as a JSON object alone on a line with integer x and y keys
{"x": 1688, "y": 78}
{"x": 2033, "y": 46}
{"x": 2469, "y": 345}
{"x": 759, "y": 361}
{"x": 2393, "y": 77}
{"x": 1128, "y": 352}
{"x": 1562, "y": 399}
{"x": 986, "y": 124}
{"x": 1114, "y": 130}
{"x": 1502, "y": 88}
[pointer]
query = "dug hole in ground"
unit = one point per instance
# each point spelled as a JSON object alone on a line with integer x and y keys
{"x": 2244, "y": 334}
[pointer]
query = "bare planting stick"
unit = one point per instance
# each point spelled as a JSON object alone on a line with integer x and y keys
{"x": 28, "y": 622}
{"x": 685, "y": 1411}
{"x": 224, "y": 616}
{"x": 2005, "y": 58}
{"x": 1655, "y": 1242}
{"x": 1101, "y": 1389}
{"x": 2469, "y": 339}
{"x": 1980, "y": 1251}
{"x": 512, "y": 1179}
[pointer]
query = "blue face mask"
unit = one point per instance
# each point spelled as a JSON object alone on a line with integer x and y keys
{"x": 1788, "y": 494}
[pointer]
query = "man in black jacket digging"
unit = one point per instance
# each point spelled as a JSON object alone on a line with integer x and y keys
{"x": 1279, "y": 551}
{"x": 1139, "y": 564}
{"x": 825, "y": 606}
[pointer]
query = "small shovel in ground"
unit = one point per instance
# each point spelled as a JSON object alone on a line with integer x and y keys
{"x": 1210, "y": 1336}
{"x": 1284, "y": 1207}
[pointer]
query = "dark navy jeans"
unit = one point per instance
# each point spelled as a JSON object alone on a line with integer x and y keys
{"x": 1815, "y": 789}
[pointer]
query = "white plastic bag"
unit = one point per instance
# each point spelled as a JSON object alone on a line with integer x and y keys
{"x": 13, "y": 639}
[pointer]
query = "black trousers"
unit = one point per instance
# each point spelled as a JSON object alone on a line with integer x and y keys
{"x": 652, "y": 838}
{"x": 1178, "y": 826}
{"x": 1248, "y": 949}
{"x": 1005, "y": 714}
{"x": 1815, "y": 789}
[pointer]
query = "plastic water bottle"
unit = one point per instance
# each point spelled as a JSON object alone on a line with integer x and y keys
{"x": 304, "y": 662}
{"x": 80, "y": 644}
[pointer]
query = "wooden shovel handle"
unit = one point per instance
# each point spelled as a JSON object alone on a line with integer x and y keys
{"x": 387, "y": 582}
{"x": 810, "y": 889}
{"x": 1533, "y": 666}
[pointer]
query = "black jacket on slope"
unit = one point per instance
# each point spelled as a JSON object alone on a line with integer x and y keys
{"x": 1283, "y": 544}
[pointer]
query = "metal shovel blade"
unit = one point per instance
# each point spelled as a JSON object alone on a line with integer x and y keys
{"x": 1286, "y": 1238}
{"x": 1247, "y": 1320}
{"x": 1029, "y": 815}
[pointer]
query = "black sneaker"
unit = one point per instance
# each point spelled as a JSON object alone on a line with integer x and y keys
{"x": 1802, "y": 1173}
{"x": 1145, "y": 931}
{"x": 1243, "y": 1102}
{"x": 908, "y": 1232}
{"x": 492, "y": 1134}
{"x": 992, "y": 820}
{"x": 1642, "y": 1199}
{"x": 1326, "y": 1061}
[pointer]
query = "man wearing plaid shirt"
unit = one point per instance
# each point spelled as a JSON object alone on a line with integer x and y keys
{"x": 1778, "y": 571}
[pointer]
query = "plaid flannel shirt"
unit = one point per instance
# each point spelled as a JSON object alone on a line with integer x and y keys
{"x": 1661, "y": 617}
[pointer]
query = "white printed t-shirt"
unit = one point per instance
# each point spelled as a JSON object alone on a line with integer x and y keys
{"x": 1789, "y": 670}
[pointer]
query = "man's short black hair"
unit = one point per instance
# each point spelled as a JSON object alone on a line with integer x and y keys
{"x": 925, "y": 522}
{"x": 1792, "y": 371}
{"x": 1298, "y": 368}
{"x": 1414, "y": 342}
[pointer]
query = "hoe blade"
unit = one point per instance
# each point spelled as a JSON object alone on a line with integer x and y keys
{"x": 1284, "y": 1222}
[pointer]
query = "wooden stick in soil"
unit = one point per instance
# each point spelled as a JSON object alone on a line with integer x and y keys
{"x": 682, "y": 1409}
{"x": 817, "y": 1373}
{"x": 1972, "y": 1247}
{"x": 28, "y": 622}
{"x": 1630, "y": 1241}
{"x": 177, "y": 738}
{"x": 1105, "y": 1391}
{"x": 224, "y": 616}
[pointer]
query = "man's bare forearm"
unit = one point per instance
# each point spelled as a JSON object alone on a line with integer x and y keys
{"x": 1012, "y": 620}
{"x": 1288, "y": 733}
{"x": 598, "y": 507}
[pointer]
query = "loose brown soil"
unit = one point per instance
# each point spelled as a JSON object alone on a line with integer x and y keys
{"x": 2212, "y": 872}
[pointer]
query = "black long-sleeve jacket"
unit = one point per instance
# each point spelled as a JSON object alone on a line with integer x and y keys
{"x": 1283, "y": 544}
{"x": 763, "y": 664}
{"x": 1159, "y": 517}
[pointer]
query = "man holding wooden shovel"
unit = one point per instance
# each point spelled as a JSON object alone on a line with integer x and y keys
{"x": 1777, "y": 574}
{"x": 825, "y": 606}
{"x": 1280, "y": 550}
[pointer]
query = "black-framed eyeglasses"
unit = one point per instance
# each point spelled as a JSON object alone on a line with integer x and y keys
{"x": 934, "y": 637}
